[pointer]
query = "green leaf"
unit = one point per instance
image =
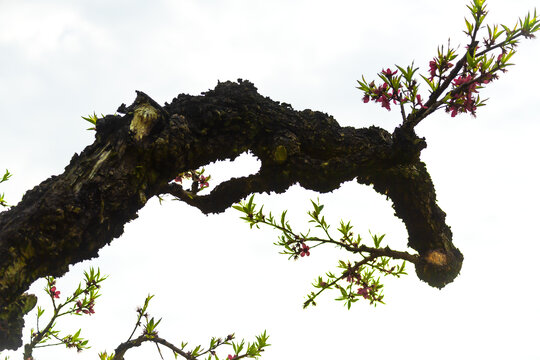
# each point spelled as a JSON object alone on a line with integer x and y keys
{"x": 470, "y": 60}
{"x": 431, "y": 84}
{"x": 363, "y": 85}
{"x": 238, "y": 207}
{"x": 250, "y": 204}
{"x": 6, "y": 176}
{"x": 469, "y": 27}
{"x": 92, "y": 119}
{"x": 402, "y": 71}
{"x": 283, "y": 214}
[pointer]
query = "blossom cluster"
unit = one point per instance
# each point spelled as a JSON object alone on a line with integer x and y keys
{"x": 453, "y": 84}
{"x": 199, "y": 181}
{"x": 83, "y": 300}
{"x": 392, "y": 90}
{"x": 54, "y": 293}
{"x": 382, "y": 93}
{"x": 73, "y": 341}
{"x": 402, "y": 89}
{"x": 463, "y": 98}
{"x": 441, "y": 63}
{"x": 366, "y": 290}
{"x": 85, "y": 308}
{"x": 301, "y": 249}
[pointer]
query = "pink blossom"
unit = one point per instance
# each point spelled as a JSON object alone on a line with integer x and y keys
{"x": 203, "y": 183}
{"x": 89, "y": 310}
{"x": 385, "y": 102}
{"x": 419, "y": 101}
{"x": 435, "y": 65}
{"x": 304, "y": 251}
{"x": 432, "y": 69}
{"x": 460, "y": 80}
{"x": 388, "y": 72}
{"x": 55, "y": 293}
{"x": 364, "y": 291}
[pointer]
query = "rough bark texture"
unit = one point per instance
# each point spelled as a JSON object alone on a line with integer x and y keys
{"x": 69, "y": 217}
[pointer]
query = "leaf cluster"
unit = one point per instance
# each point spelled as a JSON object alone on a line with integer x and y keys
{"x": 5, "y": 177}
{"x": 92, "y": 119}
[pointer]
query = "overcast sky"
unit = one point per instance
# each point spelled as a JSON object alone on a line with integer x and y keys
{"x": 211, "y": 275}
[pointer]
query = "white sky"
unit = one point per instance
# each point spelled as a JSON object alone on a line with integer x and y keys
{"x": 212, "y": 275}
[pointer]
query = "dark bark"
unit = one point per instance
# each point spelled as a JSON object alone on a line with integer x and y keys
{"x": 69, "y": 217}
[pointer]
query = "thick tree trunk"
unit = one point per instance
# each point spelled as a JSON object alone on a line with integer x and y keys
{"x": 69, "y": 217}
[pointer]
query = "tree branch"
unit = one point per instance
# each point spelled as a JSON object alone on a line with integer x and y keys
{"x": 69, "y": 217}
{"x": 124, "y": 347}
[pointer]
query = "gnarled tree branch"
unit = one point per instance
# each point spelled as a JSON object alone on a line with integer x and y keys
{"x": 69, "y": 217}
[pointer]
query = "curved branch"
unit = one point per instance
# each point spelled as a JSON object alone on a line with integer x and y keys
{"x": 124, "y": 347}
{"x": 226, "y": 193}
{"x": 69, "y": 217}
